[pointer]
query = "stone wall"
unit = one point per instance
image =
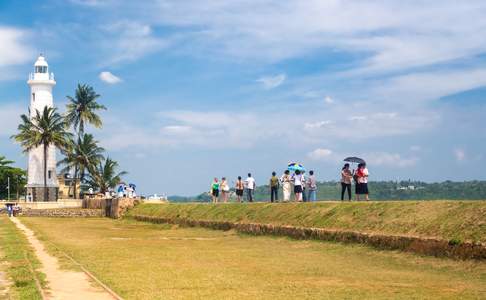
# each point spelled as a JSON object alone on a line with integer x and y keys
{"x": 63, "y": 213}
{"x": 61, "y": 203}
{"x": 117, "y": 207}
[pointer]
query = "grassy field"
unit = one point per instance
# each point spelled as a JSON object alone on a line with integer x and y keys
{"x": 450, "y": 220}
{"x": 149, "y": 261}
{"x": 21, "y": 262}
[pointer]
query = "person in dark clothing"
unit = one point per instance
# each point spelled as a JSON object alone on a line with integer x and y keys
{"x": 346, "y": 177}
{"x": 274, "y": 186}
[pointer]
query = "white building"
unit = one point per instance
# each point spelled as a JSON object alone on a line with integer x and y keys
{"x": 41, "y": 83}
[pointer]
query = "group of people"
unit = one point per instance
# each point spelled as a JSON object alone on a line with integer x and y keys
{"x": 304, "y": 187}
{"x": 359, "y": 176}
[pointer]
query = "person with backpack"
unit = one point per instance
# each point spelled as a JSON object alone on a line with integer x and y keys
{"x": 311, "y": 187}
{"x": 274, "y": 186}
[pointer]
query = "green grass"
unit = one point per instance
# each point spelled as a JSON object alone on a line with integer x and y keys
{"x": 450, "y": 220}
{"x": 22, "y": 263}
{"x": 149, "y": 261}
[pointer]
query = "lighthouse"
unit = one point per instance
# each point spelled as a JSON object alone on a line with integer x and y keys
{"x": 41, "y": 83}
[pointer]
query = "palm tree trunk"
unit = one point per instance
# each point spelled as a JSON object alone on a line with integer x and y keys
{"x": 75, "y": 181}
{"x": 45, "y": 173}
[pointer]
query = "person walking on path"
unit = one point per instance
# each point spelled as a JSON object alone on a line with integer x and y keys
{"x": 215, "y": 190}
{"x": 297, "y": 180}
{"x": 239, "y": 187}
{"x": 9, "y": 209}
{"x": 274, "y": 186}
{"x": 250, "y": 187}
{"x": 346, "y": 177}
{"x": 311, "y": 187}
{"x": 225, "y": 189}
{"x": 362, "y": 182}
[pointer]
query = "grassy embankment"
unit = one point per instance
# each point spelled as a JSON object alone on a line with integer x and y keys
{"x": 457, "y": 221}
{"x": 151, "y": 261}
{"x": 21, "y": 262}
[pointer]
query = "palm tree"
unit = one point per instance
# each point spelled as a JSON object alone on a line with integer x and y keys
{"x": 82, "y": 156}
{"x": 46, "y": 129}
{"x": 82, "y": 109}
{"x": 104, "y": 176}
{"x": 4, "y": 163}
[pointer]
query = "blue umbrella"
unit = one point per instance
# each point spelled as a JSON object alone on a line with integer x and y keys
{"x": 295, "y": 166}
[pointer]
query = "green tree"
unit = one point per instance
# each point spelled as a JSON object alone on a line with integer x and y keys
{"x": 81, "y": 109}
{"x": 105, "y": 176}
{"x": 4, "y": 163}
{"x": 44, "y": 129}
{"x": 81, "y": 155}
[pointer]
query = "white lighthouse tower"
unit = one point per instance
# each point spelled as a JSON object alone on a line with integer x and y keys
{"x": 41, "y": 83}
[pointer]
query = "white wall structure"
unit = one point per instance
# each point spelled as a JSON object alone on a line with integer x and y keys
{"x": 41, "y": 83}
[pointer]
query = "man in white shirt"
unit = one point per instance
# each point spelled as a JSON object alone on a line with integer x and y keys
{"x": 250, "y": 187}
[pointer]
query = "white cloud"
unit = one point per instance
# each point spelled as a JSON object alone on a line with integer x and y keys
{"x": 320, "y": 154}
{"x": 108, "y": 77}
{"x": 271, "y": 82}
{"x": 328, "y": 100}
{"x": 460, "y": 154}
{"x": 14, "y": 50}
{"x": 127, "y": 41}
{"x": 390, "y": 160}
{"x": 317, "y": 125}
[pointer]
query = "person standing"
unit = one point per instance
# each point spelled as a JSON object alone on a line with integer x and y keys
{"x": 239, "y": 187}
{"x": 297, "y": 180}
{"x": 346, "y": 177}
{"x": 225, "y": 189}
{"x": 215, "y": 190}
{"x": 285, "y": 179}
{"x": 362, "y": 182}
{"x": 274, "y": 186}
{"x": 311, "y": 187}
{"x": 9, "y": 209}
{"x": 250, "y": 187}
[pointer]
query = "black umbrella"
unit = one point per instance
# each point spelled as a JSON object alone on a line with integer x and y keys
{"x": 354, "y": 159}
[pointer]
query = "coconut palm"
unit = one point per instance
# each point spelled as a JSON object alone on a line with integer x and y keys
{"x": 82, "y": 109}
{"x": 4, "y": 163}
{"x": 104, "y": 176}
{"x": 44, "y": 129}
{"x": 82, "y": 156}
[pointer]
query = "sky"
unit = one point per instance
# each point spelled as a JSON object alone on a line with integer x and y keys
{"x": 197, "y": 89}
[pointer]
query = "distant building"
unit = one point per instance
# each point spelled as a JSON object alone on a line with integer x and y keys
{"x": 66, "y": 187}
{"x": 41, "y": 83}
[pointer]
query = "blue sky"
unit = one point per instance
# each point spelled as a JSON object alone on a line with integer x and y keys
{"x": 197, "y": 89}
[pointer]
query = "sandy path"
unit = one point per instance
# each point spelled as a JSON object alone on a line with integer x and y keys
{"x": 63, "y": 284}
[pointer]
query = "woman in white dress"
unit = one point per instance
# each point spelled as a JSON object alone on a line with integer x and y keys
{"x": 286, "y": 186}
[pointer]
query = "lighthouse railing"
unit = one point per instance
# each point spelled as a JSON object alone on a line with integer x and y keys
{"x": 50, "y": 76}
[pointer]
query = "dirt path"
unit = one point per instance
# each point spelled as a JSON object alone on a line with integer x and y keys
{"x": 63, "y": 284}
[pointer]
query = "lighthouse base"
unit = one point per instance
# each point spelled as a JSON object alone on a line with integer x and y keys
{"x": 37, "y": 193}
